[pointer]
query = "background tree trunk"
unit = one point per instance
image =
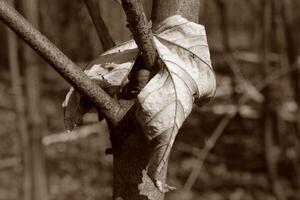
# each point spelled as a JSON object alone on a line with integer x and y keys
{"x": 32, "y": 75}
{"x": 268, "y": 125}
{"x": 21, "y": 122}
{"x": 131, "y": 152}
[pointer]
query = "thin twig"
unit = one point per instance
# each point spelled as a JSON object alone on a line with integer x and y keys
{"x": 228, "y": 56}
{"x": 180, "y": 146}
{"x": 248, "y": 87}
{"x": 194, "y": 151}
{"x": 209, "y": 145}
{"x": 274, "y": 77}
{"x": 101, "y": 28}
{"x": 253, "y": 58}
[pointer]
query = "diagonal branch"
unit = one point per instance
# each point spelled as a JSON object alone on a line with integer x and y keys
{"x": 60, "y": 62}
{"x": 209, "y": 145}
{"x": 102, "y": 31}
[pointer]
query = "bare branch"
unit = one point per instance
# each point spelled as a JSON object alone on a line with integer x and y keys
{"x": 102, "y": 31}
{"x": 248, "y": 87}
{"x": 209, "y": 145}
{"x": 141, "y": 30}
{"x": 61, "y": 63}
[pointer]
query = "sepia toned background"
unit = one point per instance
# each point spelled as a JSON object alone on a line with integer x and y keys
{"x": 244, "y": 145}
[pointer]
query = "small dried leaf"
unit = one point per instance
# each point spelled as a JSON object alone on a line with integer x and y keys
{"x": 110, "y": 71}
{"x": 147, "y": 187}
{"x": 167, "y": 100}
{"x": 73, "y": 112}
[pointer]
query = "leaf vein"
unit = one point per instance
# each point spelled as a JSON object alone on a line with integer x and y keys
{"x": 195, "y": 84}
{"x": 187, "y": 50}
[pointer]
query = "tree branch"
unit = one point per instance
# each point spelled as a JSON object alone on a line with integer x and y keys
{"x": 209, "y": 145}
{"x": 102, "y": 31}
{"x": 61, "y": 63}
{"x": 141, "y": 30}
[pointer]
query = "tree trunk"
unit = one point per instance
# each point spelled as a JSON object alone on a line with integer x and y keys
{"x": 32, "y": 73}
{"x": 130, "y": 148}
{"x": 162, "y": 9}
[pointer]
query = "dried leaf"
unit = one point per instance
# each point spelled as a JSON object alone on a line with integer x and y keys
{"x": 110, "y": 71}
{"x": 73, "y": 112}
{"x": 167, "y": 100}
{"x": 147, "y": 187}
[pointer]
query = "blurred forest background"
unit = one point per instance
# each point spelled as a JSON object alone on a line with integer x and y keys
{"x": 244, "y": 145}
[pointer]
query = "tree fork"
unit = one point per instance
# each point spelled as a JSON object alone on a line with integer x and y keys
{"x": 131, "y": 151}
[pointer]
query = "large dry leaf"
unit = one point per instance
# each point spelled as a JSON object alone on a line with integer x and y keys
{"x": 167, "y": 100}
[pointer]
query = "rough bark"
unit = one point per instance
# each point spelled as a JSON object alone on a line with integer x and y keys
{"x": 131, "y": 152}
{"x": 164, "y": 8}
{"x": 141, "y": 30}
{"x": 142, "y": 34}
